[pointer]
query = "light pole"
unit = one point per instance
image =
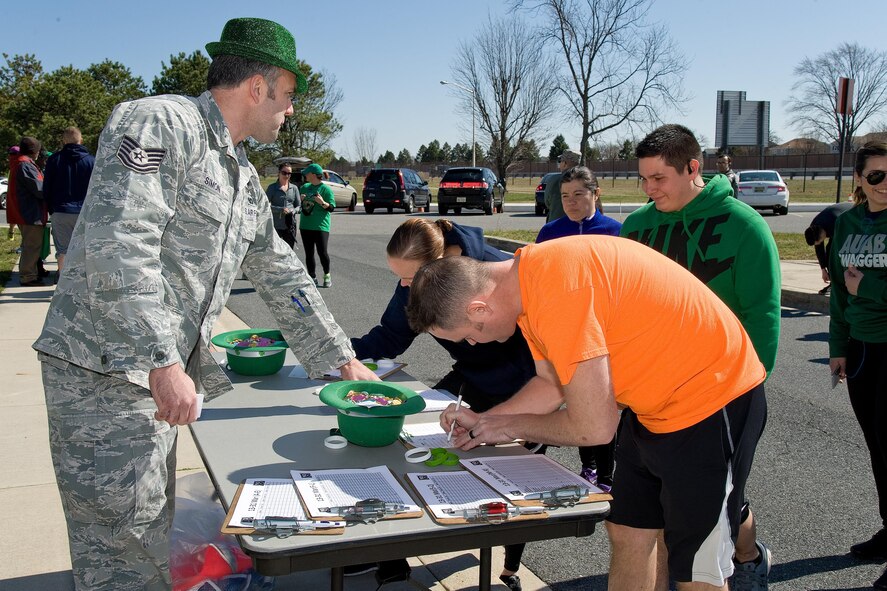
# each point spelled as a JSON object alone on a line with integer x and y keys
{"x": 473, "y": 110}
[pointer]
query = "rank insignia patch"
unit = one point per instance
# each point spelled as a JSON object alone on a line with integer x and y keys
{"x": 139, "y": 159}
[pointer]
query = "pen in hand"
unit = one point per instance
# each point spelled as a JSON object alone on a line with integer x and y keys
{"x": 453, "y": 425}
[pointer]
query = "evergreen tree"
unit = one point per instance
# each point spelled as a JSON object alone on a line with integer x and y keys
{"x": 557, "y": 147}
{"x": 185, "y": 74}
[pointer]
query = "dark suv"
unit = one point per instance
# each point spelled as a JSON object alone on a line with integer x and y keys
{"x": 395, "y": 187}
{"x": 470, "y": 188}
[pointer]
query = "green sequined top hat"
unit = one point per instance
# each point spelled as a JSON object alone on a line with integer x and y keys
{"x": 260, "y": 40}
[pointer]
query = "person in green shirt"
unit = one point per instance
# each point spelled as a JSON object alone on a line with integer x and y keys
{"x": 317, "y": 203}
{"x": 858, "y": 325}
{"x": 695, "y": 221}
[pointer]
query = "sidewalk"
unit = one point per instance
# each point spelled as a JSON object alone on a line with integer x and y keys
{"x": 35, "y": 553}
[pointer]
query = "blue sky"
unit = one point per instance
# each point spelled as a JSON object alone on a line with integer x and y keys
{"x": 389, "y": 56}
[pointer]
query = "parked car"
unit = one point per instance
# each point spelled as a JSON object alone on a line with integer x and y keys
{"x": 3, "y": 186}
{"x": 541, "y": 207}
{"x": 470, "y": 187}
{"x": 395, "y": 187}
{"x": 345, "y": 194}
{"x": 763, "y": 189}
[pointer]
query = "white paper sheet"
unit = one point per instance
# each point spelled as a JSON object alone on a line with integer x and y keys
{"x": 270, "y": 497}
{"x": 448, "y": 494}
{"x": 343, "y": 488}
{"x": 438, "y": 400}
{"x": 428, "y": 435}
{"x": 517, "y": 476}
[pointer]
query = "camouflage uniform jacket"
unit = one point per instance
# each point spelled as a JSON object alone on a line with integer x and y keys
{"x": 173, "y": 212}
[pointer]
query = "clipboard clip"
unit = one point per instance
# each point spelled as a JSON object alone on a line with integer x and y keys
{"x": 493, "y": 512}
{"x": 282, "y": 527}
{"x": 565, "y": 496}
{"x": 367, "y": 510}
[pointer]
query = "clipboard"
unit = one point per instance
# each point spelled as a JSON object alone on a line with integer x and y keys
{"x": 345, "y": 487}
{"x": 434, "y": 487}
{"x": 516, "y": 477}
{"x": 229, "y": 528}
{"x": 382, "y": 372}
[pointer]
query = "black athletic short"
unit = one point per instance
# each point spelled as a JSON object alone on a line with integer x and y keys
{"x": 691, "y": 483}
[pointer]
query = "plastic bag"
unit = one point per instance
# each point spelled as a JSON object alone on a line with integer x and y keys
{"x": 201, "y": 557}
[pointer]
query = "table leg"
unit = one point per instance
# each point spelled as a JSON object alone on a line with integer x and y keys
{"x": 337, "y": 578}
{"x": 485, "y": 568}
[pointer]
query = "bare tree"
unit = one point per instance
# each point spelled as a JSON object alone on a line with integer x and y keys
{"x": 365, "y": 144}
{"x": 619, "y": 69}
{"x": 814, "y": 102}
{"x": 512, "y": 87}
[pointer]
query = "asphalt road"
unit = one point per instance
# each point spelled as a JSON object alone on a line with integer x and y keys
{"x": 811, "y": 486}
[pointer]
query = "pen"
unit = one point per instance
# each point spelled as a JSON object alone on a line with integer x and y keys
{"x": 298, "y": 303}
{"x": 453, "y": 425}
{"x": 305, "y": 297}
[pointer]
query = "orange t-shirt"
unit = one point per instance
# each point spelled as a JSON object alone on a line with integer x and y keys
{"x": 677, "y": 352}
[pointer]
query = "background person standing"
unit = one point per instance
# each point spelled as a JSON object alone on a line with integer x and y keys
{"x": 65, "y": 181}
{"x": 285, "y": 201}
{"x": 567, "y": 159}
{"x": 858, "y": 324}
{"x": 32, "y": 209}
{"x": 317, "y": 203}
{"x": 819, "y": 235}
{"x": 725, "y": 164}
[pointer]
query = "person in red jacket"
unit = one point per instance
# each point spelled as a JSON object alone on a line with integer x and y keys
{"x": 13, "y": 217}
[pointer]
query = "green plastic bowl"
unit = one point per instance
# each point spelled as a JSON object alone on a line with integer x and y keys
{"x": 373, "y": 426}
{"x": 253, "y": 361}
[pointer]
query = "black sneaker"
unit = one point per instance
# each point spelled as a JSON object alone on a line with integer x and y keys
{"x": 352, "y": 570}
{"x": 512, "y": 582}
{"x": 393, "y": 570}
{"x": 874, "y": 549}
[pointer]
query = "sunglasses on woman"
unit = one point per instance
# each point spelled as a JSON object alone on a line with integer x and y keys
{"x": 875, "y": 177}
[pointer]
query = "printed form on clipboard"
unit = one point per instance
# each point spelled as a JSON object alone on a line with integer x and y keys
{"x": 534, "y": 479}
{"x": 261, "y": 498}
{"x": 460, "y": 497}
{"x": 328, "y": 494}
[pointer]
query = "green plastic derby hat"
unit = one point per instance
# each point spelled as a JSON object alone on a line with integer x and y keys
{"x": 262, "y": 41}
{"x": 253, "y": 361}
{"x": 373, "y": 426}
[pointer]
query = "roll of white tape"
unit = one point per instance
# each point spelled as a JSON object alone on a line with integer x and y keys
{"x": 417, "y": 455}
{"x": 335, "y": 442}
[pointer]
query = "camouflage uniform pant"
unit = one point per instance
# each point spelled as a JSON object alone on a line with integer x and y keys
{"x": 115, "y": 468}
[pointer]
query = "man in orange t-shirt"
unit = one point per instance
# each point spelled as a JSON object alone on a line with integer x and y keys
{"x": 618, "y": 325}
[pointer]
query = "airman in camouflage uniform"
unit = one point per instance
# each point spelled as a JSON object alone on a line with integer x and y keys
{"x": 174, "y": 211}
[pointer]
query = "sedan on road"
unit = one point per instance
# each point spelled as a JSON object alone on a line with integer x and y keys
{"x": 3, "y": 187}
{"x": 763, "y": 189}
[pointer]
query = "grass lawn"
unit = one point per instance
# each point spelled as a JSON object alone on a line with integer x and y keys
{"x": 523, "y": 189}
{"x": 8, "y": 256}
{"x": 792, "y": 247}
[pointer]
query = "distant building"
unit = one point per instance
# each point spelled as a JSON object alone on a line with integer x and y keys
{"x": 800, "y": 145}
{"x": 741, "y": 122}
